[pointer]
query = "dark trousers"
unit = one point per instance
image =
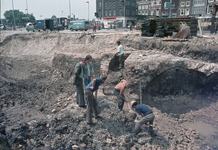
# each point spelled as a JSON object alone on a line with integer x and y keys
{"x": 91, "y": 106}
{"x": 120, "y": 100}
{"x": 80, "y": 95}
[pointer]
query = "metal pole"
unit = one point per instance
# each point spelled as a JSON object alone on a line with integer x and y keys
{"x": 13, "y": 14}
{"x": 203, "y": 25}
{"x": 170, "y": 8}
{"x": 70, "y": 9}
{"x": 124, "y": 13}
{"x": 88, "y": 9}
{"x": 26, "y": 6}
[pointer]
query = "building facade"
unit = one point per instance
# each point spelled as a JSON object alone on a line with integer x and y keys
{"x": 121, "y": 11}
{"x": 199, "y": 7}
{"x": 166, "y": 11}
{"x": 185, "y": 7}
{"x": 210, "y": 5}
{"x": 143, "y": 8}
{"x": 149, "y": 7}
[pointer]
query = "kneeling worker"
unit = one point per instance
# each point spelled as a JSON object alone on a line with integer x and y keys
{"x": 147, "y": 117}
{"x": 91, "y": 100}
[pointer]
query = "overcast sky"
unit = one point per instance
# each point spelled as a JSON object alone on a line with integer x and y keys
{"x": 47, "y": 8}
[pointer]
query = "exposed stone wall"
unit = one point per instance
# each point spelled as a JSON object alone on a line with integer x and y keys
{"x": 64, "y": 64}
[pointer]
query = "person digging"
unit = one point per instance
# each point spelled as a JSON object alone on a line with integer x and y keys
{"x": 118, "y": 91}
{"x": 91, "y": 99}
{"x": 147, "y": 117}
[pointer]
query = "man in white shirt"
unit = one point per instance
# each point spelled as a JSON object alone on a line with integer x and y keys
{"x": 120, "y": 54}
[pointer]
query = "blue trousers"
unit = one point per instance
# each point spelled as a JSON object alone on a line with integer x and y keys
{"x": 86, "y": 82}
{"x": 120, "y": 100}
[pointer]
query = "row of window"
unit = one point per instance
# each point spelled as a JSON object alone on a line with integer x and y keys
{"x": 184, "y": 12}
{"x": 109, "y": 4}
{"x": 113, "y": 12}
{"x": 199, "y": 10}
{"x": 199, "y": 1}
{"x": 157, "y": 1}
{"x": 141, "y": 7}
{"x": 183, "y": 4}
{"x": 153, "y": 12}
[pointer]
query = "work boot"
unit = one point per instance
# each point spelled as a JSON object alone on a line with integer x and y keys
{"x": 135, "y": 133}
{"x": 146, "y": 129}
{"x": 151, "y": 131}
{"x": 99, "y": 117}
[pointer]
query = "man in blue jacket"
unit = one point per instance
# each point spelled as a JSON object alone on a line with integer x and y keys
{"x": 147, "y": 117}
{"x": 91, "y": 99}
{"x": 88, "y": 71}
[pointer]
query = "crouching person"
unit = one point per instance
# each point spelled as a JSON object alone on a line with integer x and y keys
{"x": 91, "y": 99}
{"x": 118, "y": 91}
{"x": 147, "y": 117}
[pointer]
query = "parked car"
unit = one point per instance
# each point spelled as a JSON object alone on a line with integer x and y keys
{"x": 29, "y": 27}
{"x": 98, "y": 26}
{"x": 2, "y": 27}
{"x": 79, "y": 25}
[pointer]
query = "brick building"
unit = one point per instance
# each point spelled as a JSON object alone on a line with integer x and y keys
{"x": 174, "y": 8}
{"x": 210, "y": 4}
{"x": 149, "y": 7}
{"x": 184, "y": 8}
{"x": 122, "y": 11}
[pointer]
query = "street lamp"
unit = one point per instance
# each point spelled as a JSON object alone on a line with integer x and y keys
{"x": 13, "y": 14}
{"x": 70, "y": 9}
{"x": 26, "y": 6}
{"x": 88, "y": 9}
{"x": 61, "y": 13}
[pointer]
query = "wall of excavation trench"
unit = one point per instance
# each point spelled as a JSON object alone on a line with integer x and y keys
{"x": 174, "y": 77}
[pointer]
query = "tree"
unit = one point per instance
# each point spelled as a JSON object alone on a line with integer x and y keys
{"x": 53, "y": 16}
{"x": 18, "y": 15}
{"x": 3, "y": 21}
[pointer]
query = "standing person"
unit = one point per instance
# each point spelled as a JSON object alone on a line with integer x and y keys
{"x": 147, "y": 117}
{"x": 120, "y": 54}
{"x": 91, "y": 99}
{"x": 130, "y": 26}
{"x": 137, "y": 26}
{"x": 118, "y": 91}
{"x": 94, "y": 26}
{"x": 78, "y": 81}
{"x": 88, "y": 71}
{"x": 102, "y": 25}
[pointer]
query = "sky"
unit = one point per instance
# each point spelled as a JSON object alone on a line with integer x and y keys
{"x": 47, "y": 8}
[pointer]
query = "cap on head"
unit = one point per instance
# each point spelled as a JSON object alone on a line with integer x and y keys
{"x": 133, "y": 103}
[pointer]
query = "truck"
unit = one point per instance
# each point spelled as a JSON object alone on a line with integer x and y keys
{"x": 49, "y": 24}
{"x": 40, "y": 25}
{"x": 79, "y": 25}
{"x": 62, "y": 22}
